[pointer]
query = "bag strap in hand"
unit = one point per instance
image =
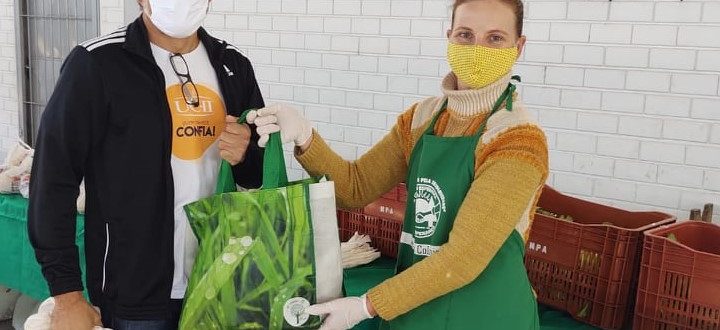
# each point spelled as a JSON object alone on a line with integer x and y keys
{"x": 274, "y": 174}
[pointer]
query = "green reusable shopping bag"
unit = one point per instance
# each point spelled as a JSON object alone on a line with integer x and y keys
{"x": 255, "y": 266}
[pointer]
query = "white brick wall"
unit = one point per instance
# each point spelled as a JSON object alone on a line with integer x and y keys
{"x": 652, "y": 141}
{"x": 352, "y": 66}
{"x": 112, "y": 15}
{"x": 628, "y": 91}
{"x": 9, "y": 103}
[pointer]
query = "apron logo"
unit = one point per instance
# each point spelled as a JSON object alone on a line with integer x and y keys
{"x": 429, "y": 207}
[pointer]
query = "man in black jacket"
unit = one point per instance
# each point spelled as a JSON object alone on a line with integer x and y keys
{"x": 144, "y": 115}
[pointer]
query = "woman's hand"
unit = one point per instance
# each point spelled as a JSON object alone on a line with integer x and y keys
{"x": 343, "y": 313}
{"x": 284, "y": 119}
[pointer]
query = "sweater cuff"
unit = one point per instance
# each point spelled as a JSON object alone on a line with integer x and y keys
{"x": 317, "y": 150}
{"x": 382, "y": 305}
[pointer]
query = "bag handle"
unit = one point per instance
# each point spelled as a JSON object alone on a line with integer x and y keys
{"x": 274, "y": 173}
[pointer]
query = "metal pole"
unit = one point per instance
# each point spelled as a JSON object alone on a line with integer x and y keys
{"x": 31, "y": 32}
{"x": 24, "y": 117}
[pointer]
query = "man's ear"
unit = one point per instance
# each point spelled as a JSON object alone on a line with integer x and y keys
{"x": 449, "y": 32}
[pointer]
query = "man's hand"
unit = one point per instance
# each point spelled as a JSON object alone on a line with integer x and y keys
{"x": 234, "y": 141}
{"x": 73, "y": 312}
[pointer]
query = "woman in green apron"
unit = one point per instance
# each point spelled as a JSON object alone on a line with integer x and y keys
{"x": 474, "y": 162}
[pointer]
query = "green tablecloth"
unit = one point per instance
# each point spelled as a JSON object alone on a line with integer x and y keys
{"x": 18, "y": 268}
{"x": 358, "y": 280}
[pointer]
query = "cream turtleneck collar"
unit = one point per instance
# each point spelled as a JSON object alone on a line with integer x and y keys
{"x": 471, "y": 102}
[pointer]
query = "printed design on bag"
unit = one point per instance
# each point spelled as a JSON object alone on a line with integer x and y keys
{"x": 195, "y": 129}
{"x": 429, "y": 207}
{"x": 294, "y": 311}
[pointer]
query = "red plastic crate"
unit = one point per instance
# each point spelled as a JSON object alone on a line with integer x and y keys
{"x": 382, "y": 220}
{"x": 402, "y": 192}
{"x": 679, "y": 285}
{"x": 386, "y": 208}
{"x": 384, "y": 233}
{"x": 392, "y": 194}
{"x": 588, "y": 267}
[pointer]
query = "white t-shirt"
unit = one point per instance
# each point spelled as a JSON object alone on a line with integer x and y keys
{"x": 195, "y": 156}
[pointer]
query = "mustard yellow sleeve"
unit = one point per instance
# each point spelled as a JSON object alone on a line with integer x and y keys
{"x": 510, "y": 173}
{"x": 357, "y": 183}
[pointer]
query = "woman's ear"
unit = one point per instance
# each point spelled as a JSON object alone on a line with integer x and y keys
{"x": 449, "y": 31}
{"x": 521, "y": 45}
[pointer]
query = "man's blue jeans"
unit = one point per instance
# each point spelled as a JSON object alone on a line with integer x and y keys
{"x": 169, "y": 323}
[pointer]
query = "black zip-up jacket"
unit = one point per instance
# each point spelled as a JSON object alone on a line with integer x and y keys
{"x": 108, "y": 121}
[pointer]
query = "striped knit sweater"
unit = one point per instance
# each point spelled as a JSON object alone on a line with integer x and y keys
{"x": 511, "y": 165}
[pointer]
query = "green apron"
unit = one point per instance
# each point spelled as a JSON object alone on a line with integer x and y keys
{"x": 441, "y": 172}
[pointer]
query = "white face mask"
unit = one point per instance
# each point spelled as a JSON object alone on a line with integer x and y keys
{"x": 178, "y": 18}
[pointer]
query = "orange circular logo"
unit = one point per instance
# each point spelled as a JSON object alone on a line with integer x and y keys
{"x": 195, "y": 129}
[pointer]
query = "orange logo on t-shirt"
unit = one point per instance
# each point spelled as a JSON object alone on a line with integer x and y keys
{"x": 195, "y": 129}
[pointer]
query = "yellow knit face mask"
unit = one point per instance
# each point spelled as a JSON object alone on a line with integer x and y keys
{"x": 479, "y": 66}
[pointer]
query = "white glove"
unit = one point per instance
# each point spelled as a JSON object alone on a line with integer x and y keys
{"x": 343, "y": 313}
{"x": 280, "y": 118}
